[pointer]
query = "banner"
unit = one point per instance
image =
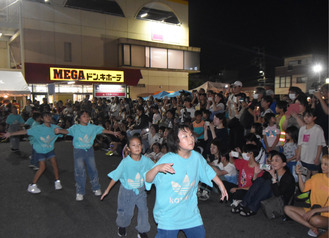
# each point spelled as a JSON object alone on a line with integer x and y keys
{"x": 86, "y": 75}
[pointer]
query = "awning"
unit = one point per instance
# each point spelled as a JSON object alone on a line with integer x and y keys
{"x": 40, "y": 73}
{"x": 12, "y": 83}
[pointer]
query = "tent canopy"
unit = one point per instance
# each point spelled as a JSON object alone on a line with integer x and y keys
{"x": 162, "y": 94}
{"x": 214, "y": 86}
{"x": 177, "y": 93}
{"x": 12, "y": 83}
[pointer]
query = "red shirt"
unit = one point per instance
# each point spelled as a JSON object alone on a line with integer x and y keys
{"x": 246, "y": 173}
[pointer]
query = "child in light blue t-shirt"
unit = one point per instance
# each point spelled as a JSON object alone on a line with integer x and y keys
{"x": 14, "y": 122}
{"x": 84, "y": 135}
{"x": 176, "y": 176}
{"x": 34, "y": 163}
{"x": 43, "y": 144}
{"x": 132, "y": 193}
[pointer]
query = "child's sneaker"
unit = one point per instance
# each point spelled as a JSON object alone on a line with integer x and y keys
{"x": 79, "y": 197}
{"x": 58, "y": 185}
{"x": 122, "y": 231}
{"x": 142, "y": 235}
{"x": 312, "y": 233}
{"x": 98, "y": 192}
{"x": 33, "y": 188}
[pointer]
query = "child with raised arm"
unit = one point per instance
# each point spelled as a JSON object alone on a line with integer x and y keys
{"x": 176, "y": 176}
{"x": 84, "y": 135}
{"x": 43, "y": 144}
{"x": 132, "y": 190}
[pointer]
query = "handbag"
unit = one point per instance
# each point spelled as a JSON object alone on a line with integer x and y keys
{"x": 273, "y": 207}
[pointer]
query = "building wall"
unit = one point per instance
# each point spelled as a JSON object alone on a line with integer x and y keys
{"x": 155, "y": 81}
{"x": 4, "y": 55}
{"x": 94, "y": 38}
{"x": 298, "y": 67}
{"x": 46, "y": 28}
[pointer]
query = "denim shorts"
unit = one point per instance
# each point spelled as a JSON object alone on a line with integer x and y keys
{"x": 311, "y": 167}
{"x": 43, "y": 157}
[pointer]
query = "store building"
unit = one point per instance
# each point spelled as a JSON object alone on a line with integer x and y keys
{"x": 145, "y": 44}
{"x": 298, "y": 71}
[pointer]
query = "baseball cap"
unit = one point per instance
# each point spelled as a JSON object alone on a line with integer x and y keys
{"x": 237, "y": 83}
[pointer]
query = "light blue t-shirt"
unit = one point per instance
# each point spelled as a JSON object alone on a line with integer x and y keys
{"x": 131, "y": 172}
{"x": 35, "y": 123}
{"x": 84, "y": 136}
{"x": 14, "y": 119}
{"x": 29, "y": 121}
{"x": 44, "y": 138}
{"x": 176, "y": 204}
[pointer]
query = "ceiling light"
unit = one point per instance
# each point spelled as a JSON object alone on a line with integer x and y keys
{"x": 144, "y": 15}
{"x": 0, "y": 34}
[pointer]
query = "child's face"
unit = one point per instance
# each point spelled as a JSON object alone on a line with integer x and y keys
{"x": 325, "y": 165}
{"x": 272, "y": 120}
{"x": 205, "y": 116}
{"x": 213, "y": 149}
{"x": 84, "y": 118}
{"x": 135, "y": 147}
{"x": 198, "y": 118}
{"x": 156, "y": 149}
{"x": 278, "y": 110}
{"x": 164, "y": 149}
{"x": 186, "y": 139}
{"x": 264, "y": 104}
{"x": 309, "y": 118}
{"x": 46, "y": 119}
{"x": 288, "y": 137}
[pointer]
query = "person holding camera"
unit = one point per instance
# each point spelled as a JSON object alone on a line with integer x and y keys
{"x": 318, "y": 215}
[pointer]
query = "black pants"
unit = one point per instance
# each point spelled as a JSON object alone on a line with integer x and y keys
{"x": 238, "y": 195}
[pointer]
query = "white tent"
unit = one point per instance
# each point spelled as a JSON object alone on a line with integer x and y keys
{"x": 214, "y": 86}
{"x": 12, "y": 83}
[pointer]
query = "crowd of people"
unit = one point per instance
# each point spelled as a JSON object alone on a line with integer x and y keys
{"x": 253, "y": 147}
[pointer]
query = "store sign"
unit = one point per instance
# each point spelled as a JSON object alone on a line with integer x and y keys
{"x": 104, "y": 90}
{"x": 86, "y": 75}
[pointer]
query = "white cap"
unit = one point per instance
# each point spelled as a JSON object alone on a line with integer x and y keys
{"x": 269, "y": 92}
{"x": 237, "y": 83}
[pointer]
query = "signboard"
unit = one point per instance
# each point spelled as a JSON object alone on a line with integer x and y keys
{"x": 86, "y": 75}
{"x": 105, "y": 90}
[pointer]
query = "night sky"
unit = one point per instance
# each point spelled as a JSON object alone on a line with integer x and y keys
{"x": 231, "y": 33}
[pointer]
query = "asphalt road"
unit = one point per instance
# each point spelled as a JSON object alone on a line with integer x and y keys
{"x": 56, "y": 213}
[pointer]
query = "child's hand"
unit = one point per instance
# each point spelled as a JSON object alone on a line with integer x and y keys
{"x": 298, "y": 169}
{"x": 166, "y": 168}
{"x": 5, "y": 135}
{"x": 56, "y": 130}
{"x": 116, "y": 134}
{"x": 104, "y": 195}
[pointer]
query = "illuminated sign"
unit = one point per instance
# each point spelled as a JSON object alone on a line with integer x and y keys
{"x": 104, "y": 90}
{"x": 86, "y": 75}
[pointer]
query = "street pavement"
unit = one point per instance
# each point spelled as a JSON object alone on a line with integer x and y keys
{"x": 56, "y": 213}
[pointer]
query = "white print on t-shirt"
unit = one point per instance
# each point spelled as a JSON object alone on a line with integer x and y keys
{"x": 85, "y": 139}
{"x": 137, "y": 182}
{"x": 46, "y": 141}
{"x": 181, "y": 190}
